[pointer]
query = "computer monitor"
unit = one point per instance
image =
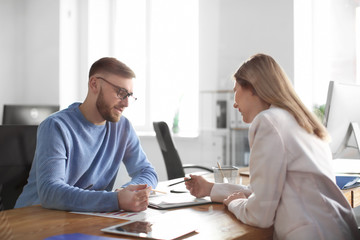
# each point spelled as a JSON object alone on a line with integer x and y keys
{"x": 342, "y": 119}
{"x": 27, "y": 114}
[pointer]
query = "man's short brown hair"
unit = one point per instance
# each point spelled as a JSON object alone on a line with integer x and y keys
{"x": 111, "y": 65}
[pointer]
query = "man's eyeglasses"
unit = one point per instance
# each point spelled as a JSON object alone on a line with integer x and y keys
{"x": 121, "y": 93}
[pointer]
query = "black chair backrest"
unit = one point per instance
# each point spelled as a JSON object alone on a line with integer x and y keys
{"x": 173, "y": 164}
{"x": 27, "y": 114}
{"x": 17, "y": 149}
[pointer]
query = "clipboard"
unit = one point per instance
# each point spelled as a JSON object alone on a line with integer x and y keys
{"x": 176, "y": 200}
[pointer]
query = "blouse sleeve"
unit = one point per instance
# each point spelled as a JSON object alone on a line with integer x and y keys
{"x": 267, "y": 175}
{"x": 220, "y": 191}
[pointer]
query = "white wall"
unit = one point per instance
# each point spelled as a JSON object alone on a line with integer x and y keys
{"x": 12, "y": 49}
{"x": 32, "y": 65}
{"x": 231, "y": 31}
{"x": 29, "y": 46}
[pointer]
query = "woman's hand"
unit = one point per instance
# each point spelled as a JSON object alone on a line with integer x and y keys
{"x": 198, "y": 186}
{"x": 234, "y": 196}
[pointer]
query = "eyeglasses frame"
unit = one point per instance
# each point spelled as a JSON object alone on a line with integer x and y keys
{"x": 118, "y": 90}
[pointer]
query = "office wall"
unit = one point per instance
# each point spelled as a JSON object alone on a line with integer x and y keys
{"x": 11, "y": 47}
{"x": 29, "y": 47}
{"x": 230, "y": 31}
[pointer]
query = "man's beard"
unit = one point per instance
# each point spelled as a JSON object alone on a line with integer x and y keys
{"x": 105, "y": 110}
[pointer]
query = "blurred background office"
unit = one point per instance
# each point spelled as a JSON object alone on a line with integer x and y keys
{"x": 184, "y": 53}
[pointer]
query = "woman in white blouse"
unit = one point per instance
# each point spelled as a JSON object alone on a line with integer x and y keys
{"x": 292, "y": 186}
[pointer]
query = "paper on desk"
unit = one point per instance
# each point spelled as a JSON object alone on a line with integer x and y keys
{"x": 121, "y": 214}
{"x": 174, "y": 200}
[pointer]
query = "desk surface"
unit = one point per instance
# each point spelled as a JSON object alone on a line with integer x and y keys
{"x": 213, "y": 221}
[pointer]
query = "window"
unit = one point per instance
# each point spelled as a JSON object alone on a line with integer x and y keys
{"x": 159, "y": 40}
{"x": 327, "y": 44}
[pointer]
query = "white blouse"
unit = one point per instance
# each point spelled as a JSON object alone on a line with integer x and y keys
{"x": 292, "y": 185}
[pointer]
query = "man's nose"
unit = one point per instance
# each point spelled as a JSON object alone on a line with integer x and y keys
{"x": 125, "y": 102}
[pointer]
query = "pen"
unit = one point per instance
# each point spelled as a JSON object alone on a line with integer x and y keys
{"x": 154, "y": 190}
{"x": 176, "y": 191}
{"x": 179, "y": 182}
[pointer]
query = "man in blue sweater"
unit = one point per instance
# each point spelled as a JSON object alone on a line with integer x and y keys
{"x": 79, "y": 150}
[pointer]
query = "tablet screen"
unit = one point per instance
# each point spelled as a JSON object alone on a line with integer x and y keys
{"x": 136, "y": 227}
{"x": 147, "y": 229}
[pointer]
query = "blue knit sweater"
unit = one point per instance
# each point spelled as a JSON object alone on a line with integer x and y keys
{"x": 76, "y": 163}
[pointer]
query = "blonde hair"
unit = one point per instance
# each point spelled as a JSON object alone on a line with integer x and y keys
{"x": 264, "y": 76}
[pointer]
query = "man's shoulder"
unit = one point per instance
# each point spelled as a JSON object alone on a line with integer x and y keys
{"x": 62, "y": 118}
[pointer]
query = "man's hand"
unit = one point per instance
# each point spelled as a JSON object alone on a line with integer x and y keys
{"x": 134, "y": 198}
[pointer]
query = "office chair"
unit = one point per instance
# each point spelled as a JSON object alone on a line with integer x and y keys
{"x": 174, "y": 166}
{"x": 27, "y": 114}
{"x": 17, "y": 149}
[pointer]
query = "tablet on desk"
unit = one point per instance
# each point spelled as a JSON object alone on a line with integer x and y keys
{"x": 151, "y": 229}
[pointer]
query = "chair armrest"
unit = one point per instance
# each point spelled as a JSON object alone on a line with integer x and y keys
{"x": 197, "y": 166}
